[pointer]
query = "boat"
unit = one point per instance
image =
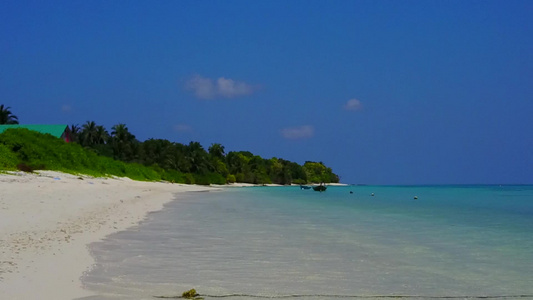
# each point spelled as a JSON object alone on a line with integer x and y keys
{"x": 305, "y": 187}
{"x": 320, "y": 188}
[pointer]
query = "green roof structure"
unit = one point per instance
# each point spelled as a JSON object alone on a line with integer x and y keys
{"x": 60, "y": 131}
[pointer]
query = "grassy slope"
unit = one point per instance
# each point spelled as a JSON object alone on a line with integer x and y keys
{"x": 25, "y": 148}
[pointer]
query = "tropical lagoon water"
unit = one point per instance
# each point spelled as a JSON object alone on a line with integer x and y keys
{"x": 452, "y": 241}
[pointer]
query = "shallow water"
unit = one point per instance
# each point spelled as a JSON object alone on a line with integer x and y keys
{"x": 281, "y": 241}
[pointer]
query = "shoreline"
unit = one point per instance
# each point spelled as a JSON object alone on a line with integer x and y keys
{"x": 48, "y": 219}
{"x": 240, "y": 184}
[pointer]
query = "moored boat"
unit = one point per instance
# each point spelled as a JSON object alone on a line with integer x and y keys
{"x": 320, "y": 188}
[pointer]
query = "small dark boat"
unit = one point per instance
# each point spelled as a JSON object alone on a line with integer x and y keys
{"x": 305, "y": 187}
{"x": 320, "y": 188}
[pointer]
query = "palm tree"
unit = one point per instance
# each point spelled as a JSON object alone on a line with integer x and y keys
{"x": 102, "y": 136}
{"x": 123, "y": 142}
{"x": 155, "y": 151}
{"x": 197, "y": 157}
{"x": 88, "y": 134}
{"x": 216, "y": 150}
{"x": 217, "y": 159}
{"x": 176, "y": 159}
{"x": 75, "y": 131}
{"x": 121, "y": 133}
{"x": 6, "y": 117}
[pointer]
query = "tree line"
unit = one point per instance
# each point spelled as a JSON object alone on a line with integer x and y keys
{"x": 191, "y": 163}
{"x": 193, "y": 158}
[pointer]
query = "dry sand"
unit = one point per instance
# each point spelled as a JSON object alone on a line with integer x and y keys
{"x": 48, "y": 219}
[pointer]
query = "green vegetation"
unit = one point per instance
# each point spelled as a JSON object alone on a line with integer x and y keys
{"x": 318, "y": 172}
{"x": 97, "y": 152}
{"x": 191, "y": 294}
{"x": 152, "y": 160}
{"x": 36, "y": 151}
{"x": 8, "y": 160}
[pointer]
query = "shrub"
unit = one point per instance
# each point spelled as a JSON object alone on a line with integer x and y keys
{"x": 299, "y": 181}
{"x": 189, "y": 178}
{"x": 8, "y": 160}
{"x": 35, "y": 151}
{"x": 173, "y": 176}
{"x": 209, "y": 178}
{"x": 230, "y": 178}
{"x": 140, "y": 172}
{"x": 239, "y": 177}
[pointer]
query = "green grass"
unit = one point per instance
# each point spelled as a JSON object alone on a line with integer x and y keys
{"x": 44, "y": 152}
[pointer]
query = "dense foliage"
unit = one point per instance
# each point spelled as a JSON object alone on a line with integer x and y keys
{"x": 94, "y": 151}
{"x": 191, "y": 163}
{"x": 30, "y": 150}
{"x": 8, "y": 160}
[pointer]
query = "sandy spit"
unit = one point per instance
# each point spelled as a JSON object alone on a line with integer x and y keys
{"x": 48, "y": 219}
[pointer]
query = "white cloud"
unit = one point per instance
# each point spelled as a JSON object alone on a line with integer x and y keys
{"x": 207, "y": 88}
{"x": 230, "y": 88}
{"x": 353, "y": 104}
{"x": 182, "y": 128}
{"x": 301, "y": 132}
{"x": 202, "y": 87}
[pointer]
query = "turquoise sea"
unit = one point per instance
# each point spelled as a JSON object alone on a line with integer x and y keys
{"x": 284, "y": 242}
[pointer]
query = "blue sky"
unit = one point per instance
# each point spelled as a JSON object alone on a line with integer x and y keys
{"x": 384, "y": 92}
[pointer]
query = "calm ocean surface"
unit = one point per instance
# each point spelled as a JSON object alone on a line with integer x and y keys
{"x": 280, "y": 241}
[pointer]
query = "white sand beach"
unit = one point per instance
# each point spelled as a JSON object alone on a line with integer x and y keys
{"x": 48, "y": 219}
